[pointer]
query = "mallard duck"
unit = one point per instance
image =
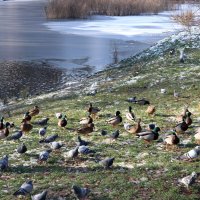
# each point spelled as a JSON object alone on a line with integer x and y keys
{"x": 130, "y": 115}
{"x": 151, "y": 110}
{"x": 5, "y": 132}
{"x": 25, "y": 126}
{"x": 27, "y": 116}
{"x": 86, "y": 121}
{"x": 197, "y": 135}
{"x": 135, "y": 129}
{"x": 115, "y": 120}
{"x": 62, "y": 122}
{"x": 1, "y": 123}
{"x": 93, "y": 111}
{"x": 188, "y": 119}
{"x": 181, "y": 127}
{"x": 179, "y": 118}
{"x": 171, "y": 139}
{"x": 148, "y": 136}
{"x": 87, "y": 129}
{"x": 34, "y": 111}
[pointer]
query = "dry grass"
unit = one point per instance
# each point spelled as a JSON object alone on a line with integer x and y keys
{"x": 57, "y": 9}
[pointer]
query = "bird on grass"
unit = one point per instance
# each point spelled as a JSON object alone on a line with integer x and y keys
{"x": 1, "y": 123}
{"x": 188, "y": 180}
{"x": 171, "y": 140}
{"x": 197, "y": 136}
{"x": 85, "y": 150}
{"x": 27, "y": 116}
{"x": 107, "y": 162}
{"x": 5, "y": 132}
{"x": 4, "y": 163}
{"x": 86, "y": 121}
{"x": 130, "y": 115}
{"x": 181, "y": 127}
{"x": 191, "y": 155}
{"x": 151, "y": 110}
{"x": 117, "y": 119}
{"x": 80, "y": 193}
{"x": 182, "y": 56}
{"x": 56, "y": 145}
{"x": 49, "y": 139}
{"x": 25, "y": 189}
{"x": 73, "y": 153}
{"x": 22, "y": 148}
{"x": 63, "y": 121}
{"x": 81, "y": 142}
{"x": 87, "y": 129}
{"x": 149, "y": 136}
{"x": 180, "y": 118}
{"x": 25, "y": 126}
{"x": 188, "y": 119}
{"x": 104, "y": 132}
{"x": 40, "y": 196}
{"x": 42, "y": 131}
{"x": 133, "y": 129}
{"x": 34, "y": 111}
{"x": 43, "y": 122}
{"x": 115, "y": 135}
{"x": 59, "y": 115}
{"x": 44, "y": 155}
{"x": 16, "y": 136}
{"x": 93, "y": 111}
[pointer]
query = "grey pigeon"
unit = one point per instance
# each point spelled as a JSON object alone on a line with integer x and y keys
{"x": 191, "y": 155}
{"x": 107, "y": 163}
{"x": 43, "y": 121}
{"x": 73, "y": 153}
{"x": 49, "y": 139}
{"x": 4, "y": 163}
{"x": 80, "y": 193}
{"x": 84, "y": 150}
{"x": 22, "y": 148}
{"x": 81, "y": 142}
{"x": 44, "y": 155}
{"x": 16, "y": 136}
{"x": 42, "y": 131}
{"x": 188, "y": 180}
{"x": 56, "y": 145}
{"x": 25, "y": 189}
{"x": 40, "y": 196}
{"x": 115, "y": 134}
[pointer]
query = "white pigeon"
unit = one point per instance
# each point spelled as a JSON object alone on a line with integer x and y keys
{"x": 191, "y": 155}
{"x": 58, "y": 115}
{"x": 40, "y": 196}
{"x": 188, "y": 180}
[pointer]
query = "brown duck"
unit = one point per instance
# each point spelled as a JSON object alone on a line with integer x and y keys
{"x": 62, "y": 122}
{"x": 151, "y": 110}
{"x": 25, "y": 126}
{"x": 93, "y": 111}
{"x": 87, "y": 129}
{"x": 34, "y": 111}
{"x": 5, "y": 132}
{"x": 135, "y": 129}
{"x": 171, "y": 140}
{"x": 86, "y": 121}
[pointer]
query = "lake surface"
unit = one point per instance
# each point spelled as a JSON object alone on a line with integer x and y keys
{"x": 66, "y": 49}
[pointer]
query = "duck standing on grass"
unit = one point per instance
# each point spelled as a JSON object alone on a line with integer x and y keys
{"x": 5, "y": 132}
{"x": 130, "y": 115}
{"x": 86, "y": 121}
{"x": 171, "y": 140}
{"x": 25, "y": 126}
{"x": 115, "y": 120}
{"x": 34, "y": 111}
{"x": 151, "y": 110}
{"x": 93, "y": 111}
{"x": 181, "y": 127}
{"x": 133, "y": 129}
{"x": 63, "y": 122}
{"x": 27, "y": 116}
{"x": 87, "y": 129}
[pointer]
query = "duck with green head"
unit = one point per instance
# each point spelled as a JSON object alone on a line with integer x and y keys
{"x": 117, "y": 119}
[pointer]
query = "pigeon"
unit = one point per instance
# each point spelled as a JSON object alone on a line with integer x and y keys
{"x": 44, "y": 155}
{"x": 4, "y": 163}
{"x": 191, "y": 155}
{"x": 142, "y": 102}
{"x": 182, "y": 56}
{"x": 107, "y": 163}
{"x": 104, "y": 132}
{"x": 43, "y": 121}
{"x": 25, "y": 189}
{"x": 49, "y": 139}
{"x": 84, "y": 150}
{"x": 115, "y": 135}
{"x": 42, "y": 131}
{"x": 80, "y": 193}
{"x": 81, "y": 142}
{"x": 56, "y": 145}
{"x": 73, "y": 152}
{"x": 132, "y": 100}
{"x": 188, "y": 180}
{"x": 58, "y": 115}
{"x": 22, "y": 148}
{"x": 16, "y": 136}
{"x": 40, "y": 196}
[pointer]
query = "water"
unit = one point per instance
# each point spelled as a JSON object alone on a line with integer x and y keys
{"x": 54, "y": 57}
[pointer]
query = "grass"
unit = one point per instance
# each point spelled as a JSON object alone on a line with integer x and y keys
{"x": 139, "y": 172}
{"x": 57, "y": 9}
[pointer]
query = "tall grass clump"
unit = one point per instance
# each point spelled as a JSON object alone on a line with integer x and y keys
{"x": 57, "y": 9}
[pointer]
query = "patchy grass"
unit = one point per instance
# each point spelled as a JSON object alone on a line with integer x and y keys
{"x": 139, "y": 172}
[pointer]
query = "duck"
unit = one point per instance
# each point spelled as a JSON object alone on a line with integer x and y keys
{"x": 135, "y": 129}
{"x": 5, "y": 132}
{"x": 93, "y": 111}
{"x": 188, "y": 119}
{"x": 151, "y": 110}
{"x": 197, "y": 136}
{"x": 86, "y": 121}
{"x": 130, "y": 115}
{"x": 63, "y": 122}
{"x": 27, "y": 116}
{"x": 87, "y": 129}
{"x": 1, "y": 123}
{"x": 148, "y": 136}
{"x": 25, "y": 126}
{"x": 179, "y": 118}
{"x": 34, "y": 111}
{"x": 171, "y": 139}
{"x": 181, "y": 127}
{"x": 115, "y": 120}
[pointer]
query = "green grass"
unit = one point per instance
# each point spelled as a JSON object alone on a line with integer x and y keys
{"x": 139, "y": 172}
